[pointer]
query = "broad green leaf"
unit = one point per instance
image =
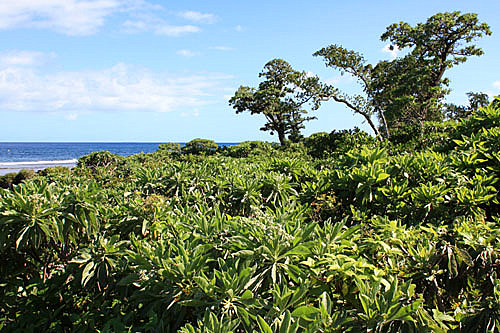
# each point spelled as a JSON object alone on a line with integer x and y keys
{"x": 88, "y": 273}
{"x": 305, "y": 312}
{"x": 264, "y": 327}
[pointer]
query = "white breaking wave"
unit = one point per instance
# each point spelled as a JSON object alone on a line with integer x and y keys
{"x": 35, "y": 163}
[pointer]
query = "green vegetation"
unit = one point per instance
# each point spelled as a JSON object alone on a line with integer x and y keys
{"x": 405, "y": 92}
{"x": 336, "y": 232}
{"x": 281, "y": 98}
{"x": 409, "y": 90}
{"x": 14, "y": 178}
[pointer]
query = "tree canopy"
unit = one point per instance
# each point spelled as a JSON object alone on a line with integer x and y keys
{"x": 282, "y": 98}
{"x": 408, "y": 89}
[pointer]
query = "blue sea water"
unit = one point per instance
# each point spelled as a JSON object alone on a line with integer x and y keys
{"x": 15, "y": 156}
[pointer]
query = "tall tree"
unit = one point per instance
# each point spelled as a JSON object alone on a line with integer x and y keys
{"x": 353, "y": 63}
{"x": 409, "y": 89}
{"x": 282, "y": 98}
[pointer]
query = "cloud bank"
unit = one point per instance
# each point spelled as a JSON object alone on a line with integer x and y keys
{"x": 24, "y": 58}
{"x": 86, "y": 17}
{"x": 198, "y": 17}
{"x": 188, "y": 53}
{"x": 71, "y": 17}
{"x": 119, "y": 88}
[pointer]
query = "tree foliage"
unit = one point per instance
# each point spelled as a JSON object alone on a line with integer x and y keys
{"x": 476, "y": 101}
{"x": 200, "y": 146}
{"x": 281, "y": 98}
{"x": 409, "y": 89}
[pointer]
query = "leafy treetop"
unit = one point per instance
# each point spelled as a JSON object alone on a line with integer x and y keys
{"x": 281, "y": 98}
{"x": 409, "y": 89}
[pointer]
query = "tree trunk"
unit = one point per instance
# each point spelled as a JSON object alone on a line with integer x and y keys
{"x": 282, "y": 137}
{"x": 384, "y": 124}
{"x": 359, "y": 111}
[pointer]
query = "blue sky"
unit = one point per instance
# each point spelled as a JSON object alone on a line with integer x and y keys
{"x": 157, "y": 71}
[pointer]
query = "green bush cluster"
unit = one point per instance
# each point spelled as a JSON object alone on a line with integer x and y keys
{"x": 338, "y": 234}
{"x": 200, "y": 146}
{"x": 322, "y": 144}
{"x": 14, "y": 178}
{"x": 171, "y": 148}
{"x": 100, "y": 159}
{"x": 250, "y": 148}
{"x": 416, "y": 137}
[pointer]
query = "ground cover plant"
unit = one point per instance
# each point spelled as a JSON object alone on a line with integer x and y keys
{"x": 312, "y": 237}
{"x": 336, "y": 232}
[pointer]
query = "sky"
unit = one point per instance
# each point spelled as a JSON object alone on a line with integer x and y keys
{"x": 158, "y": 71}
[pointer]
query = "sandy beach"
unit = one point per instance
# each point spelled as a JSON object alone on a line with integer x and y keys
{"x": 9, "y": 167}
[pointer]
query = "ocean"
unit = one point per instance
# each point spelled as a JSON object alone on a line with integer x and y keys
{"x": 15, "y": 156}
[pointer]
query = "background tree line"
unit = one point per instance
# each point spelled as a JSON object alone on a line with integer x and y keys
{"x": 397, "y": 95}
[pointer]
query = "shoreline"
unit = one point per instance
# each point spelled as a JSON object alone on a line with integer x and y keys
{"x": 14, "y": 167}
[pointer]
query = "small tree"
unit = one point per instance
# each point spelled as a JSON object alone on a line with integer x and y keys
{"x": 281, "y": 98}
{"x": 200, "y": 146}
{"x": 408, "y": 90}
{"x": 171, "y": 148}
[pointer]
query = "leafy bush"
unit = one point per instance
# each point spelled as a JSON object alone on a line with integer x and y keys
{"x": 14, "y": 178}
{"x": 369, "y": 240}
{"x": 171, "y": 147}
{"x": 23, "y": 175}
{"x": 55, "y": 170}
{"x": 322, "y": 144}
{"x": 415, "y": 137}
{"x": 7, "y": 180}
{"x": 249, "y": 148}
{"x": 103, "y": 159}
{"x": 200, "y": 146}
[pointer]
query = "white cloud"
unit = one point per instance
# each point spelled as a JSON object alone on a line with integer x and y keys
{"x": 221, "y": 48}
{"x": 24, "y": 58}
{"x": 176, "y": 30}
{"x": 392, "y": 50}
{"x": 134, "y": 26}
{"x": 198, "y": 17}
{"x": 310, "y": 74}
{"x": 238, "y": 28}
{"x": 86, "y": 17}
{"x": 159, "y": 27}
{"x": 71, "y": 17}
{"x": 496, "y": 85}
{"x": 71, "y": 116}
{"x": 121, "y": 87}
{"x": 187, "y": 53}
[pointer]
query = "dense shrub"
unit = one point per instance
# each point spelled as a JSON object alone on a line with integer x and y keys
{"x": 249, "y": 148}
{"x": 14, "y": 178}
{"x": 55, "y": 170}
{"x": 171, "y": 147}
{"x": 322, "y": 144}
{"x": 23, "y": 175}
{"x": 415, "y": 137}
{"x": 200, "y": 146}
{"x": 368, "y": 240}
{"x": 103, "y": 159}
{"x": 7, "y": 180}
